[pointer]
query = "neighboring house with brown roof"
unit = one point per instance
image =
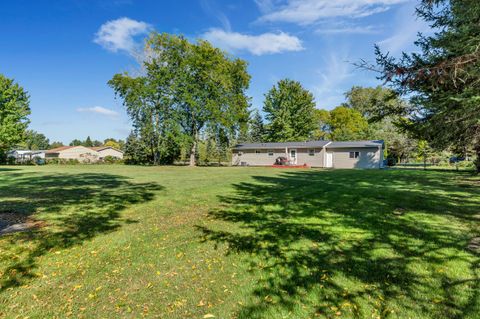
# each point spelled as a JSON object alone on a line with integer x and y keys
{"x": 327, "y": 154}
{"x": 82, "y": 153}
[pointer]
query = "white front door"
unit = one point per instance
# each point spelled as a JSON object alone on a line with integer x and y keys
{"x": 293, "y": 156}
{"x": 329, "y": 160}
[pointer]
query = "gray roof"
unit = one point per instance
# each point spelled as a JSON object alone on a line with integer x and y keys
{"x": 349, "y": 144}
{"x": 248, "y": 146}
{"x": 308, "y": 144}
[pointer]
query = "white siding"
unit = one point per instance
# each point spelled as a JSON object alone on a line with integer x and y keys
{"x": 261, "y": 157}
{"x": 304, "y": 157}
{"x": 252, "y": 158}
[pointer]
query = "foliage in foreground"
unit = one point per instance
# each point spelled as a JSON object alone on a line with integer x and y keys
{"x": 443, "y": 80}
{"x": 240, "y": 243}
{"x": 14, "y": 111}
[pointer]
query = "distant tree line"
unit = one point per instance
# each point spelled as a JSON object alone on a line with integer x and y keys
{"x": 33, "y": 140}
{"x": 118, "y": 144}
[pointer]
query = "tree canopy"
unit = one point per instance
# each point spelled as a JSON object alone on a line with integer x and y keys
{"x": 186, "y": 89}
{"x": 290, "y": 112}
{"x": 257, "y": 128}
{"x": 347, "y": 124}
{"x": 36, "y": 141}
{"x": 55, "y": 145}
{"x": 374, "y": 103}
{"x": 14, "y": 111}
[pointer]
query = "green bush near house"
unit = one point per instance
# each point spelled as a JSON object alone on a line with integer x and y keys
{"x": 112, "y": 160}
{"x": 238, "y": 242}
{"x": 62, "y": 161}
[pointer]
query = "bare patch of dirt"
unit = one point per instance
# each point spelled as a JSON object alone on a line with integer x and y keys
{"x": 474, "y": 245}
{"x": 11, "y": 222}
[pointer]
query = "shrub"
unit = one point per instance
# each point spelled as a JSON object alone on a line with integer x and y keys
{"x": 62, "y": 161}
{"x": 391, "y": 161}
{"x": 10, "y": 160}
{"x": 112, "y": 160}
{"x": 72, "y": 161}
{"x": 465, "y": 164}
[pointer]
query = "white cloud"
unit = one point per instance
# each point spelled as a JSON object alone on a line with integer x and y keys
{"x": 306, "y": 12}
{"x": 98, "y": 110}
{"x": 266, "y": 43}
{"x": 266, "y": 5}
{"x": 119, "y": 35}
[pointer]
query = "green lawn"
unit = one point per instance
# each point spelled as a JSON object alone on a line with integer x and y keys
{"x": 179, "y": 242}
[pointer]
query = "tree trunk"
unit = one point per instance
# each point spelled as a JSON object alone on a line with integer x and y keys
{"x": 477, "y": 160}
{"x": 193, "y": 151}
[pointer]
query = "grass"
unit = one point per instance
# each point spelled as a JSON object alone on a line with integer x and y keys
{"x": 177, "y": 242}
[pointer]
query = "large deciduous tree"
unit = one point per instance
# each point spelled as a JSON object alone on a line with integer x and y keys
{"x": 14, "y": 111}
{"x": 111, "y": 142}
{"x": 187, "y": 88}
{"x": 347, "y": 124}
{"x": 322, "y": 121}
{"x": 290, "y": 112}
{"x": 376, "y": 105}
{"x": 443, "y": 79}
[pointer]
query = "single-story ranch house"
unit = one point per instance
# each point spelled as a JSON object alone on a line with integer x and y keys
{"x": 328, "y": 154}
{"x": 82, "y": 153}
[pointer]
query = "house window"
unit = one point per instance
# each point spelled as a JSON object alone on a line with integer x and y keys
{"x": 311, "y": 152}
{"x": 354, "y": 154}
{"x": 257, "y": 151}
{"x": 270, "y": 152}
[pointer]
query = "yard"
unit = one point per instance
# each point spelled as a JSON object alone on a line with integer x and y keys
{"x": 177, "y": 242}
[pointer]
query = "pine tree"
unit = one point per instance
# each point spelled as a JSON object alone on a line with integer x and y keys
{"x": 443, "y": 80}
{"x": 257, "y": 128}
{"x": 88, "y": 142}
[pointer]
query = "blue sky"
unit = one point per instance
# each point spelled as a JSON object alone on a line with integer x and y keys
{"x": 63, "y": 52}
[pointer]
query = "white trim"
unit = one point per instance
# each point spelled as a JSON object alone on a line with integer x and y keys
{"x": 296, "y": 155}
{"x": 325, "y": 153}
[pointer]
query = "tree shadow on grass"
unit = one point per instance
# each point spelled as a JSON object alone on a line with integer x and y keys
{"x": 355, "y": 243}
{"x": 74, "y": 207}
